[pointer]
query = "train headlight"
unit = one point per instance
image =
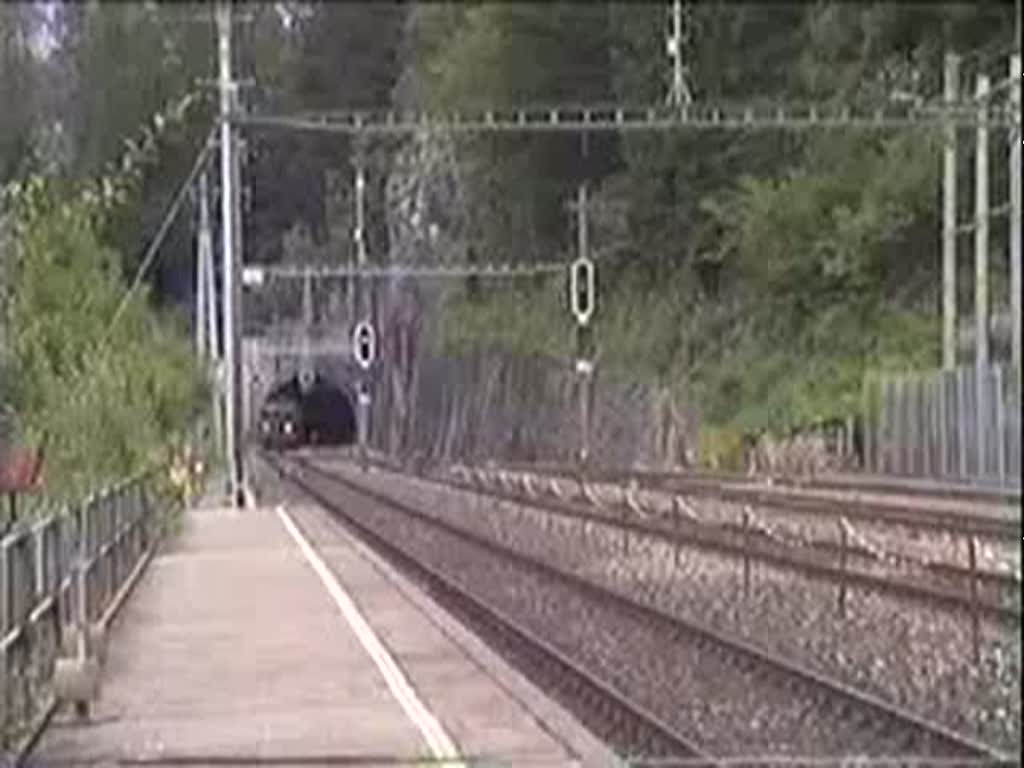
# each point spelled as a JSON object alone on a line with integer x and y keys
{"x": 265, "y": 425}
{"x": 288, "y": 428}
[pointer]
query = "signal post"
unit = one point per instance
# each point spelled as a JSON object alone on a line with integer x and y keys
{"x": 582, "y": 294}
{"x": 364, "y": 348}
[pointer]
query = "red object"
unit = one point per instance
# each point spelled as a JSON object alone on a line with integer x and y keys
{"x": 21, "y": 471}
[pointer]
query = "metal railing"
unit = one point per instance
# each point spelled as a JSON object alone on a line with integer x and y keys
{"x": 962, "y": 424}
{"x": 107, "y": 537}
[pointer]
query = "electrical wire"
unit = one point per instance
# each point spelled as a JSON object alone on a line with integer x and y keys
{"x": 140, "y": 274}
{"x": 714, "y": 116}
{"x": 154, "y": 246}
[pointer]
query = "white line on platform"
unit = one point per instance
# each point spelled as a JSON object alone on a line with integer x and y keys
{"x": 439, "y": 742}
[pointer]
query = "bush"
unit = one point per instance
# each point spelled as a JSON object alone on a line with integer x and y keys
{"x": 108, "y": 397}
{"x": 721, "y": 448}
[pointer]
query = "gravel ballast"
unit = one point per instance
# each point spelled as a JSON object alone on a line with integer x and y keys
{"x": 907, "y": 653}
{"x": 724, "y": 710}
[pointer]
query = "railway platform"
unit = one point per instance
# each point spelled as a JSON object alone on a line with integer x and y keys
{"x": 269, "y": 636}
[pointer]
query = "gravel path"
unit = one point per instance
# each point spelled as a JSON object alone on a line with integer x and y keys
{"x": 917, "y": 657}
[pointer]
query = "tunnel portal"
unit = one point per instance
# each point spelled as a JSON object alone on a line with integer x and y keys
{"x": 328, "y": 415}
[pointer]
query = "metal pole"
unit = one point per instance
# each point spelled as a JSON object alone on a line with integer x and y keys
{"x": 202, "y": 345}
{"x": 679, "y": 93}
{"x": 675, "y": 44}
{"x": 241, "y": 368}
{"x": 210, "y": 295}
{"x": 949, "y": 195}
{"x": 363, "y": 425}
{"x": 362, "y": 309}
{"x": 359, "y": 234}
{"x": 981, "y": 204}
{"x": 943, "y": 397}
{"x": 1000, "y": 430}
{"x": 229, "y": 264}
{"x": 307, "y": 323}
{"x": 210, "y": 300}
{"x": 1015, "y": 204}
{"x": 961, "y": 421}
{"x": 583, "y": 363}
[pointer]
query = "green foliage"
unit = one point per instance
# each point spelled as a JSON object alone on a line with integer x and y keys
{"x": 758, "y": 274}
{"x": 108, "y": 408}
{"x": 721, "y": 448}
{"x": 108, "y": 396}
{"x": 494, "y": 55}
{"x": 136, "y": 64}
{"x": 499, "y": 320}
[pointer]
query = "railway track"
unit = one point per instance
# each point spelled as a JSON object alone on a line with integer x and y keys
{"x": 625, "y": 724}
{"x": 980, "y": 593}
{"x": 844, "y": 482}
{"x": 993, "y": 519}
{"x": 866, "y": 725}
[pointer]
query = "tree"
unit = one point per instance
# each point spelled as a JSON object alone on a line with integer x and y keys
{"x": 20, "y": 77}
{"x": 503, "y": 55}
{"x": 333, "y": 56}
{"x": 116, "y": 65}
{"x": 107, "y": 396}
{"x": 760, "y": 272}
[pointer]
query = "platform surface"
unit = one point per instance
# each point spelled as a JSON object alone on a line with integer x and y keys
{"x": 269, "y": 636}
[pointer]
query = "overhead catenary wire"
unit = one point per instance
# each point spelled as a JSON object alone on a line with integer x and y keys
{"x": 601, "y": 118}
{"x": 147, "y": 262}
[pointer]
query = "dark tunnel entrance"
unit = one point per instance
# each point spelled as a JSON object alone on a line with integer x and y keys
{"x": 327, "y": 416}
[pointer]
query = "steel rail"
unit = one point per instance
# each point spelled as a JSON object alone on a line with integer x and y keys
{"x": 627, "y": 118}
{"x": 644, "y": 730}
{"x": 1001, "y": 527}
{"x": 846, "y": 481}
{"x": 958, "y": 744}
{"x": 733, "y": 541}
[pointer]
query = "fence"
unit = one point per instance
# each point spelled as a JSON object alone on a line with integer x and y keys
{"x": 961, "y": 425}
{"x": 37, "y": 607}
{"x": 493, "y": 405}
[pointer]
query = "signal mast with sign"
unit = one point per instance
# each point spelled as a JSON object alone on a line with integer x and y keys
{"x": 582, "y": 299}
{"x": 364, "y": 349}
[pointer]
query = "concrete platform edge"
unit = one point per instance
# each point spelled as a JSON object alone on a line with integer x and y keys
{"x": 550, "y": 715}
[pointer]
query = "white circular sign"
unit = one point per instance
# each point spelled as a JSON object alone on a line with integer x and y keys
{"x": 364, "y": 344}
{"x": 582, "y": 289}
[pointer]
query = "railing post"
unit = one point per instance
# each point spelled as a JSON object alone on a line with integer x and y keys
{"x": 5, "y": 582}
{"x": 1000, "y": 425}
{"x": 843, "y": 553}
{"x": 678, "y": 520}
{"x": 5, "y": 623}
{"x": 927, "y": 388}
{"x": 943, "y": 397}
{"x": 625, "y": 528}
{"x": 961, "y": 420}
{"x": 12, "y": 512}
{"x": 972, "y": 558}
{"x": 746, "y": 552}
{"x": 84, "y": 555}
{"x": 81, "y": 588}
{"x": 145, "y": 515}
{"x": 39, "y": 540}
{"x": 26, "y": 657}
{"x": 913, "y": 406}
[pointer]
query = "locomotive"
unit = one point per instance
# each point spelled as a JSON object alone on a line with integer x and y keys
{"x": 282, "y": 425}
{"x": 293, "y": 416}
